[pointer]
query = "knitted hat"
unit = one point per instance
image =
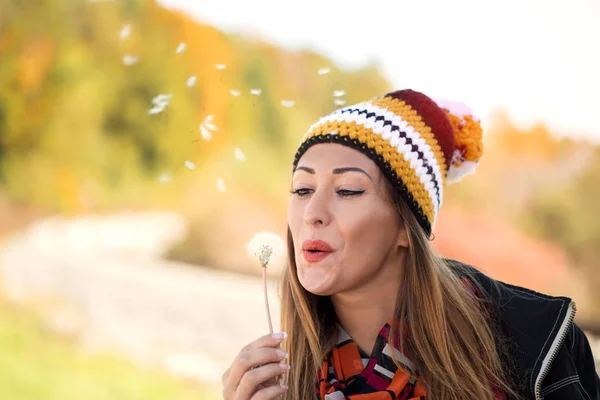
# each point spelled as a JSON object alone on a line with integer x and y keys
{"x": 418, "y": 144}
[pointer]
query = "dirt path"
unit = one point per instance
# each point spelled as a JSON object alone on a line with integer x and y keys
{"x": 102, "y": 282}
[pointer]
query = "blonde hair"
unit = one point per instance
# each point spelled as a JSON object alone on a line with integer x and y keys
{"x": 451, "y": 335}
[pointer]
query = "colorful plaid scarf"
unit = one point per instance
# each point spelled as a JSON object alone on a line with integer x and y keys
{"x": 348, "y": 373}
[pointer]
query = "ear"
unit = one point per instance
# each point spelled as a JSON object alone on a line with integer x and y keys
{"x": 402, "y": 240}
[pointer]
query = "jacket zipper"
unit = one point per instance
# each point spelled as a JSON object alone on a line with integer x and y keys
{"x": 551, "y": 355}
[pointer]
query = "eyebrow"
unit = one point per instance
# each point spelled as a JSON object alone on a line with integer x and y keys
{"x": 336, "y": 171}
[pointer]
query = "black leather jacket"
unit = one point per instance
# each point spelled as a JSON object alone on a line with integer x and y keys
{"x": 551, "y": 357}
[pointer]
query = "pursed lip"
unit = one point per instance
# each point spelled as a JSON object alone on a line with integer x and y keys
{"x": 317, "y": 245}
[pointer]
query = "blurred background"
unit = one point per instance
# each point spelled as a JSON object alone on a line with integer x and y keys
{"x": 143, "y": 143}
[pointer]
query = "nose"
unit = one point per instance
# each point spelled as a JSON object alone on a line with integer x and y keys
{"x": 317, "y": 211}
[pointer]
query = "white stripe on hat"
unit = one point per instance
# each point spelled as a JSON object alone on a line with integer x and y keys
{"x": 352, "y": 114}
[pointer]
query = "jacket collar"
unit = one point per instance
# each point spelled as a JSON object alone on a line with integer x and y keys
{"x": 530, "y": 321}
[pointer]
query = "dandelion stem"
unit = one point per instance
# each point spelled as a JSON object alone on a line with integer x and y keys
{"x": 264, "y": 274}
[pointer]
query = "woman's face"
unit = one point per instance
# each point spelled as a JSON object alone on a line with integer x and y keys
{"x": 346, "y": 231}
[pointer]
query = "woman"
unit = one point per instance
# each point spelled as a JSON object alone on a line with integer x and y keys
{"x": 371, "y": 311}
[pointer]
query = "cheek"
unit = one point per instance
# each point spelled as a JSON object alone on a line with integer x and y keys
{"x": 369, "y": 236}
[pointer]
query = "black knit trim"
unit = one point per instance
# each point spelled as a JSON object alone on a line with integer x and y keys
{"x": 378, "y": 159}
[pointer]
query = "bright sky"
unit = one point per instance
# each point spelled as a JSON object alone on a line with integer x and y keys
{"x": 537, "y": 59}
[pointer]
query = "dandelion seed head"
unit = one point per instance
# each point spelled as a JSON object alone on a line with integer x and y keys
{"x": 266, "y": 247}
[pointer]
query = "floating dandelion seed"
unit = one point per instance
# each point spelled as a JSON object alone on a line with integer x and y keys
{"x": 130, "y": 59}
{"x": 238, "y": 154}
{"x": 234, "y": 92}
{"x": 339, "y": 102}
{"x": 220, "y": 185}
{"x": 181, "y": 48}
{"x": 339, "y": 93}
{"x": 255, "y": 92}
{"x": 220, "y": 66}
{"x": 191, "y": 81}
{"x": 190, "y": 165}
{"x": 209, "y": 122}
{"x": 266, "y": 247}
{"x": 160, "y": 102}
{"x": 125, "y": 32}
{"x": 324, "y": 71}
{"x": 162, "y": 99}
{"x": 288, "y": 103}
{"x": 206, "y": 127}
{"x": 206, "y": 135}
{"x": 164, "y": 178}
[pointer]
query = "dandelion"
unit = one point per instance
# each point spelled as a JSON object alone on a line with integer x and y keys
{"x": 125, "y": 32}
{"x": 288, "y": 103}
{"x": 265, "y": 247}
{"x": 191, "y": 81}
{"x": 190, "y": 165}
{"x": 255, "y": 92}
{"x": 181, "y": 48}
{"x": 238, "y": 154}
{"x": 221, "y": 185}
{"x": 324, "y": 71}
{"x": 220, "y": 66}
{"x": 234, "y": 93}
{"x": 339, "y": 93}
{"x": 130, "y": 59}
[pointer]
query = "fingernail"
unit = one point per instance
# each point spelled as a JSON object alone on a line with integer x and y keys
{"x": 282, "y": 353}
{"x": 280, "y": 335}
{"x": 285, "y": 387}
{"x": 284, "y": 366}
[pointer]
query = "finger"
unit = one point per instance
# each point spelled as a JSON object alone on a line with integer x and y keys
{"x": 273, "y": 340}
{"x": 227, "y": 393}
{"x": 253, "y": 378}
{"x": 225, "y": 376}
{"x": 272, "y": 392}
{"x": 252, "y": 358}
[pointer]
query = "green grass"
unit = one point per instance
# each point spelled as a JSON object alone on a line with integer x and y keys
{"x": 38, "y": 365}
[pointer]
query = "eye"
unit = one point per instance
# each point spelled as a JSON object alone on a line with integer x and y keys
{"x": 349, "y": 193}
{"x": 301, "y": 192}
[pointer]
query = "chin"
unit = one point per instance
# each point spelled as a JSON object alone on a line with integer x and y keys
{"x": 316, "y": 280}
